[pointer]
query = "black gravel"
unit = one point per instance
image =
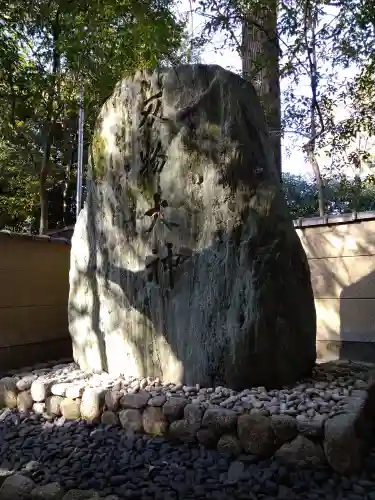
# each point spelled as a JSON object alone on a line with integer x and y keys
{"x": 110, "y": 461}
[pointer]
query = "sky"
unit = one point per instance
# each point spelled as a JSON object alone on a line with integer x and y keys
{"x": 228, "y": 58}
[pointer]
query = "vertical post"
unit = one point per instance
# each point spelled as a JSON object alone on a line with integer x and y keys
{"x": 81, "y": 118}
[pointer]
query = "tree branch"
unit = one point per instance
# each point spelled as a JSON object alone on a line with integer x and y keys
{"x": 313, "y": 80}
{"x": 310, "y": 19}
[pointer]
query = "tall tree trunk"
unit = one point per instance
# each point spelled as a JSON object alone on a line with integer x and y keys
{"x": 43, "y": 193}
{"x": 68, "y": 170}
{"x": 260, "y": 64}
{"x": 310, "y": 147}
{"x": 49, "y": 128}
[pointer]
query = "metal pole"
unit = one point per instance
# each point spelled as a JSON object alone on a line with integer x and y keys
{"x": 81, "y": 119}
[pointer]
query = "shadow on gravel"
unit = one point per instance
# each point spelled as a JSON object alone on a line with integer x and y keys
{"x": 111, "y": 461}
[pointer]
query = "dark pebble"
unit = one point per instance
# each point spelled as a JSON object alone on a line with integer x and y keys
{"x": 111, "y": 461}
{"x": 118, "y": 480}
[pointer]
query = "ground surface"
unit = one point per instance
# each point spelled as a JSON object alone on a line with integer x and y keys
{"x": 110, "y": 460}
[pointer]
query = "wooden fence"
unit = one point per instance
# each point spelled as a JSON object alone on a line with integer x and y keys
{"x": 34, "y": 288}
{"x": 341, "y": 253}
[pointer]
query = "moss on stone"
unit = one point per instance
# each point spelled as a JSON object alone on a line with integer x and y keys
{"x": 119, "y": 141}
{"x": 195, "y": 161}
{"x": 99, "y": 147}
{"x": 211, "y": 130}
{"x": 131, "y": 196}
{"x": 147, "y": 188}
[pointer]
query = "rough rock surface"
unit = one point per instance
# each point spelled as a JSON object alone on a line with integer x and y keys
{"x": 301, "y": 452}
{"x": 256, "y": 435}
{"x": 349, "y": 435}
{"x": 16, "y": 486}
{"x": 50, "y": 491}
{"x": 185, "y": 263}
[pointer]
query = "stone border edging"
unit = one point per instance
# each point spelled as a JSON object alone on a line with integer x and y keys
{"x": 342, "y": 440}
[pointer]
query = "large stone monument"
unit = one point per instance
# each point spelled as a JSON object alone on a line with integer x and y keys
{"x": 185, "y": 263}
